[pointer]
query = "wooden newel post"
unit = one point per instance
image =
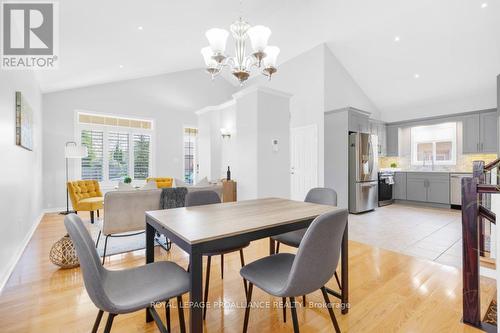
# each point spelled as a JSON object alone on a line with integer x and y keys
{"x": 470, "y": 256}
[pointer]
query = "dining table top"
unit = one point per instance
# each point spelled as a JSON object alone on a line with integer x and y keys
{"x": 198, "y": 224}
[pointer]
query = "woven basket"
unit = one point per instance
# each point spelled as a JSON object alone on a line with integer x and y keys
{"x": 63, "y": 253}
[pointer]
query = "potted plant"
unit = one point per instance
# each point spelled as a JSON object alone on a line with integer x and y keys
{"x": 127, "y": 180}
{"x": 394, "y": 165}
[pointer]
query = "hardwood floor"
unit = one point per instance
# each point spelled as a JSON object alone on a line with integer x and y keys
{"x": 389, "y": 292}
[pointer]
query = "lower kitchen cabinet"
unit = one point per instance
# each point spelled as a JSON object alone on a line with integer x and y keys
{"x": 400, "y": 185}
{"x": 432, "y": 187}
{"x": 416, "y": 187}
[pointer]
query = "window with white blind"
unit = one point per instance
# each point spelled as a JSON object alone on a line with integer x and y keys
{"x": 189, "y": 154}
{"x": 142, "y": 144}
{"x": 117, "y": 147}
{"x": 93, "y": 163}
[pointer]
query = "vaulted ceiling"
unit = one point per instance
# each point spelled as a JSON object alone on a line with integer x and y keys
{"x": 453, "y": 45}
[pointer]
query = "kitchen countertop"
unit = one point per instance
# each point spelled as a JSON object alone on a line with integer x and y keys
{"x": 433, "y": 171}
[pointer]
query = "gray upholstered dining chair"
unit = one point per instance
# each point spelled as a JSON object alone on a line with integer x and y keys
{"x": 206, "y": 198}
{"x": 318, "y": 195}
{"x": 129, "y": 290}
{"x": 288, "y": 275}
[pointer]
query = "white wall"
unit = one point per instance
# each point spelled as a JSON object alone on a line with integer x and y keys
{"x": 169, "y": 99}
{"x": 21, "y": 170}
{"x": 304, "y": 78}
{"x": 482, "y": 100}
{"x": 341, "y": 90}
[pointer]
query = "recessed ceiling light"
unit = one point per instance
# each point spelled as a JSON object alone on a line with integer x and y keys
{"x": 484, "y": 5}
{"x": 397, "y": 39}
{"x": 416, "y": 76}
{"x": 140, "y": 27}
{"x": 121, "y": 66}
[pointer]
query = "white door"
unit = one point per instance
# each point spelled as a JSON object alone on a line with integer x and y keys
{"x": 304, "y": 160}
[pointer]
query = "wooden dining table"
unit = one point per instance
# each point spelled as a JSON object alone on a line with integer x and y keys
{"x": 202, "y": 229}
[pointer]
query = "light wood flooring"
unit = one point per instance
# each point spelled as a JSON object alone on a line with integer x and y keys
{"x": 389, "y": 292}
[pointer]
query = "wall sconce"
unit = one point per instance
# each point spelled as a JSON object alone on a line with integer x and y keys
{"x": 226, "y": 134}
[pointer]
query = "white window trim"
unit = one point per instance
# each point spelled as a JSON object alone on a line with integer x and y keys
{"x": 414, "y": 152}
{"x": 107, "y": 184}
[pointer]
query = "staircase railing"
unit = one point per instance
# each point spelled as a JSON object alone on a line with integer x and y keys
{"x": 474, "y": 215}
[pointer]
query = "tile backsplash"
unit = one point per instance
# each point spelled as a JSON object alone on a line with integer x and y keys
{"x": 464, "y": 162}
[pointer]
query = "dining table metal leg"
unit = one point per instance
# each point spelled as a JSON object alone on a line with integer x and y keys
{"x": 271, "y": 246}
{"x": 150, "y": 255}
{"x": 196, "y": 301}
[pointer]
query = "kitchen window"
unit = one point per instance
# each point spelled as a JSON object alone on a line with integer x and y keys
{"x": 434, "y": 144}
{"x": 117, "y": 147}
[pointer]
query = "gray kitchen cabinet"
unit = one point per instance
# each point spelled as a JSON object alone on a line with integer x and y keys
{"x": 470, "y": 134}
{"x": 392, "y": 140}
{"x": 438, "y": 188}
{"x": 379, "y": 129}
{"x": 488, "y": 132}
{"x": 400, "y": 185}
{"x": 416, "y": 187}
{"x": 358, "y": 122}
{"x": 479, "y": 133}
{"x": 432, "y": 187}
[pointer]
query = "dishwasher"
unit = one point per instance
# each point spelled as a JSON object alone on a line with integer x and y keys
{"x": 456, "y": 189}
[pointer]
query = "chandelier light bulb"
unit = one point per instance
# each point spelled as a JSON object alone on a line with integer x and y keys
{"x": 207, "y": 54}
{"x": 217, "y": 39}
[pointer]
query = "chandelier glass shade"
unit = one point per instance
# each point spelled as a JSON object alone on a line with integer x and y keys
{"x": 262, "y": 56}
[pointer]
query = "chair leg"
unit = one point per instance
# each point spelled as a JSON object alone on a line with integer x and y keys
{"x": 98, "y": 213}
{"x": 330, "y": 310}
{"x": 247, "y": 310}
{"x": 242, "y": 259}
{"x": 222, "y": 266}
{"x": 182, "y": 324}
{"x": 105, "y": 246}
{"x": 97, "y": 321}
{"x": 167, "y": 314}
{"x": 109, "y": 323}
{"x": 294, "y": 315}
{"x": 156, "y": 318}
{"x": 98, "y": 238}
{"x": 92, "y": 216}
{"x": 277, "y": 247}
{"x": 304, "y": 300}
{"x": 283, "y": 299}
{"x": 207, "y": 283}
{"x": 338, "y": 280}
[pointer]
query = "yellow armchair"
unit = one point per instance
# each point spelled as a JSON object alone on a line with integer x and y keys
{"x": 161, "y": 182}
{"x": 86, "y": 196}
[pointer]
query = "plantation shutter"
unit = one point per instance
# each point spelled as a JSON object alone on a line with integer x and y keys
{"x": 92, "y": 165}
{"x": 142, "y": 146}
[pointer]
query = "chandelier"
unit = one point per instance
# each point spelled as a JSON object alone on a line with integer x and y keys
{"x": 263, "y": 56}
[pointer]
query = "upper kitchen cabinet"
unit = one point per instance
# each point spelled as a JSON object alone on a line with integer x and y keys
{"x": 480, "y": 132}
{"x": 489, "y": 132}
{"x": 359, "y": 121}
{"x": 392, "y": 140}
{"x": 378, "y": 128}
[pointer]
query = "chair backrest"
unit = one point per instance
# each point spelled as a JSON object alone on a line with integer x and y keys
{"x": 318, "y": 254}
{"x": 199, "y": 198}
{"x": 124, "y": 211}
{"x": 83, "y": 189}
{"x": 93, "y": 271}
{"x": 161, "y": 182}
{"x": 322, "y": 196}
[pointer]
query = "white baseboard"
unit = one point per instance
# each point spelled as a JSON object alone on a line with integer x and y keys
{"x": 488, "y": 272}
{"x": 54, "y": 210}
{"x": 17, "y": 256}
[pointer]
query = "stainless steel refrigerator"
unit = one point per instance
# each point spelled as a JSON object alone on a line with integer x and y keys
{"x": 363, "y": 172}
